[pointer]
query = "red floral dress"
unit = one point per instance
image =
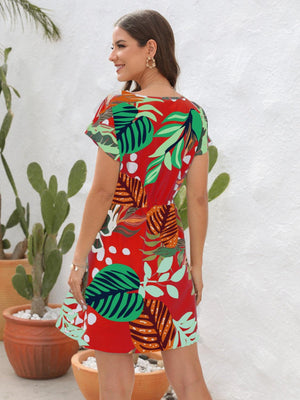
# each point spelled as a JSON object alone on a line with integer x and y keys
{"x": 140, "y": 293}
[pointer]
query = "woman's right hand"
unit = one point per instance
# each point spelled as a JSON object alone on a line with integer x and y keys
{"x": 198, "y": 282}
{"x": 75, "y": 283}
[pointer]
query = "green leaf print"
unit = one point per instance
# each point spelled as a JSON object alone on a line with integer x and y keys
{"x": 124, "y": 114}
{"x": 168, "y": 161}
{"x": 172, "y": 291}
{"x": 178, "y": 274}
{"x": 104, "y": 137}
{"x": 132, "y": 134}
{"x": 186, "y": 330}
{"x": 110, "y": 293}
{"x": 65, "y": 321}
{"x": 176, "y": 155}
{"x": 165, "y": 265}
{"x": 182, "y": 132}
{"x": 154, "y": 291}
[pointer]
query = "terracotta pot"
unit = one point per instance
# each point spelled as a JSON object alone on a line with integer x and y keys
{"x": 8, "y": 295}
{"x": 147, "y": 386}
{"x": 36, "y": 349}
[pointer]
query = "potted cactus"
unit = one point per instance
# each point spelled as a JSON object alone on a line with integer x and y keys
{"x": 218, "y": 186}
{"x": 35, "y": 347}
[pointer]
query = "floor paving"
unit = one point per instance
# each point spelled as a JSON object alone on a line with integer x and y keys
{"x": 13, "y": 387}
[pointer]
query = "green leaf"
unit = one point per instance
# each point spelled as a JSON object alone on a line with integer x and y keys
{"x": 15, "y": 91}
{"x": 218, "y": 186}
{"x": 13, "y": 219}
{"x": 176, "y": 116}
{"x": 168, "y": 130}
{"x": 5, "y": 128}
{"x": 154, "y": 291}
{"x": 152, "y": 175}
{"x": 147, "y": 270}
{"x": 52, "y": 269}
{"x": 165, "y": 265}
{"x": 111, "y": 293}
{"x": 76, "y": 178}
{"x": 183, "y": 213}
{"x": 165, "y": 251}
{"x": 172, "y": 291}
{"x": 9, "y": 174}
{"x": 6, "y": 53}
{"x": 168, "y": 161}
{"x": 178, "y": 274}
{"x": 213, "y": 156}
{"x": 7, "y": 95}
{"x": 164, "y": 277}
{"x": 180, "y": 198}
{"x": 176, "y": 155}
{"x": 124, "y": 114}
{"x": 135, "y": 136}
{"x": 35, "y": 177}
{"x": 167, "y": 143}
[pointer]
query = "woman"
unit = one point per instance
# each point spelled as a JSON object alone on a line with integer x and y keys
{"x": 141, "y": 295}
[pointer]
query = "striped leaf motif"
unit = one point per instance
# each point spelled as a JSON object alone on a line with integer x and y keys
{"x": 130, "y": 192}
{"x": 111, "y": 293}
{"x": 154, "y": 329}
{"x": 162, "y": 220}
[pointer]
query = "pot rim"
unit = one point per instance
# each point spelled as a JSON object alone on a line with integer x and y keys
{"x": 7, "y": 314}
{"x": 77, "y": 363}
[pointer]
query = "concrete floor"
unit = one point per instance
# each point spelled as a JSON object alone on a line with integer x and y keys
{"x": 14, "y": 388}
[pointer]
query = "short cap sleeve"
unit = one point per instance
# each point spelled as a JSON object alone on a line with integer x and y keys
{"x": 203, "y": 141}
{"x": 102, "y": 130}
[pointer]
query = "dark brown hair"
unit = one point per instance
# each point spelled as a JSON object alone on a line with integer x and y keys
{"x": 144, "y": 25}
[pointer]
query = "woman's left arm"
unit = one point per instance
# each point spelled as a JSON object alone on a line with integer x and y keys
{"x": 96, "y": 207}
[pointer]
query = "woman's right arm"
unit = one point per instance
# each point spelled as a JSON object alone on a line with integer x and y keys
{"x": 197, "y": 217}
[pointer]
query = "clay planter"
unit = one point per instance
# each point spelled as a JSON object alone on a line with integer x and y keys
{"x": 36, "y": 349}
{"x": 8, "y": 295}
{"x": 147, "y": 386}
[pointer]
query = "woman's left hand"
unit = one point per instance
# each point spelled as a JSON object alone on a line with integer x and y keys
{"x": 75, "y": 283}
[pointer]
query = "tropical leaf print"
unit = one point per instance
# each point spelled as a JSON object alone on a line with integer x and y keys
{"x": 162, "y": 220}
{"x": 154, "y": 329}
{"x": 186, "y": 330}
{"x": 111, "y": 293}
{"x": 104, "y": 137}
{"x": 65, "y": 322}
{"x": 182, "y": 131}
{"x": 132, "y": 134}
{"x": 203, "y": 142}
{"x": 130, "y": 192}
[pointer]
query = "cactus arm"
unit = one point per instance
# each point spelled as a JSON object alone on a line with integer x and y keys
{"x": 77, "y": 177}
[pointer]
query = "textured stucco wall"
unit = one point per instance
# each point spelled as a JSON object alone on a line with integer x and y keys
{"x": 241, "y": 61}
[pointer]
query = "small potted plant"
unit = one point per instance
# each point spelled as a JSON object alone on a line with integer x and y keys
{"x": 35, "y": 348}
{"x": 147, "y": 385}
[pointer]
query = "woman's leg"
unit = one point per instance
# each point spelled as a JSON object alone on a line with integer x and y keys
{"x": 184, "y": 372}
{"x": 116, "y": 375}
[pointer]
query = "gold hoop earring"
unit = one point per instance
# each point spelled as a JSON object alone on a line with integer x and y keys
{"x": 153, "y": 63}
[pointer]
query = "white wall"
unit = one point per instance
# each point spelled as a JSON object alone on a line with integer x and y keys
{"x": 241, "y": 61}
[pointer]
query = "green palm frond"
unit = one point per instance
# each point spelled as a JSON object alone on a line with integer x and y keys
{"x": 24, "y": 10}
